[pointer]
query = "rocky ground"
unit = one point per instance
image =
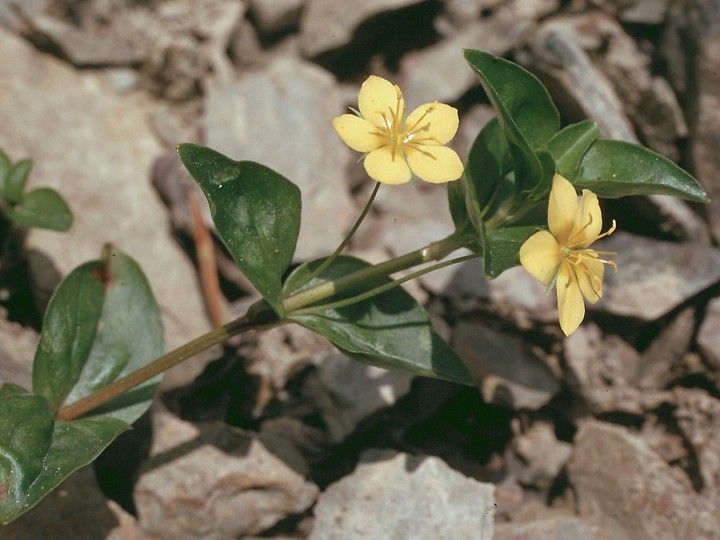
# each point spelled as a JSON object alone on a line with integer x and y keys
{"x": 613, "y": 433}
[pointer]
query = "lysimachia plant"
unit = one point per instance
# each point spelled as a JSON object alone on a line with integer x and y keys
{"x": 515, "y": 201}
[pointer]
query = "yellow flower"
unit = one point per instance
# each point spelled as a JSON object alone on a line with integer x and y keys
{"x": 396, "y": 147}
{"x": 563, "y": 257}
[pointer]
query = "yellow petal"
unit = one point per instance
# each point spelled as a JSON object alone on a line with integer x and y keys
{"x": 562, "y": 209}
{"x": 384, "y": 166}
{"x": 571, "y": 308}
{"x": 590, "y": 276}
{"x": 436, "y": 164}
{"x": 358, "y": 133}
{"x": 432, "y": 123}
{"x": 380, "y": 102}
{"x": 588, "y": 221}
{"x": 540, "y": 255}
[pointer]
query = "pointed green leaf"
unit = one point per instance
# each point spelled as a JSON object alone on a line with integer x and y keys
{"x": 568, "y": 146}
{"x": 389, "y": 330}
{"x": 37, "y": 453}
{"x": 42, "y": 208}
{"x": 68, "y": 332}
{"x": 15, "y": 180}
{"x": 525, "y": 110}
{"x": 502, "y": 248}
{"x": 256, "y": 213}
{"x": 618, "y": 169}
{"x": 102, "y": 323}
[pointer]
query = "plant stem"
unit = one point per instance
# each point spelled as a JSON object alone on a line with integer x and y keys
{"x": 106, "y": 393}
{"x": 329, "y": 260}
{"x": 432, "y": 252}
{"x": 259, "y": 316}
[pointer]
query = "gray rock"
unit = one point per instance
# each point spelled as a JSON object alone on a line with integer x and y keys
{"x": 698, "y": 416}
{"x": 624, "y": 488}
{"x": 393, "y": 495}
{"x": 552, "y": 528}
{"x": 216, "y": 482}
{"x": 542, "y": 455}
{"x": 275, "y": 15}
{"x": 107, "y": 185}
{"x": 654, "y": 277}
{"x": 603, "y": 369}
{"x": 282, "y": 118}
{"x": 558, "y": 55}
{"x": 518, "y": 295}
{"x": 345, "y": 391}
{"x": 699, "y": 22}
{"x": 328, "y": 24}
{"x": 709, "y": 338}
{"x": 440, "y": 72}
{"x": 508, "y": 374}
{"x": 17, "y": 351}
{"x": 661, "y": 360}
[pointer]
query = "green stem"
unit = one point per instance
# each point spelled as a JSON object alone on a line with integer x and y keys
{"x": 432, "y": 252}
{"x": 111, "y": 391}
{"x": 386, "y": 287}
{"x": 329, "y": 260}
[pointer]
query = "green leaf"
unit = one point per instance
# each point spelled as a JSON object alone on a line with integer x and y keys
{"x": 15, "y": 179}
{"x": 68, "y": 332}
{"x": 102, "y": 323}
{"x": 256, "y": 213}
{"x": 389, "y": 330}
{"x": 42, "y": 208}
{"x": 487, "y": 166}
{"x": 525, "y": 110}
{"x": 617, "y": 169}
{"x": 503, "y": 247}
{"x": 568, "y": 146}
{"x": 130, "y": 335}
{"x": 37, "y": 454}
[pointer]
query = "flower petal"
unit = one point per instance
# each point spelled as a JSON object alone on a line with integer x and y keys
{"x": 432, "y": 123}
{"x": 588, "y": 221}
{"x": 358, "y": 133}
{"x": 387, "y": 167}
{"x": 380, "y": 102}
{"x": 435, "y": 164}
{"x": 540, "y": 255}
{"x": 590, "y": 276}
{"x": 562, "y": 209}
{"x": 571, "y": 308}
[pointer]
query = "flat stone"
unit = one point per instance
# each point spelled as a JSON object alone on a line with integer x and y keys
{"x": 698, "y": 416}
{"x": 327, "y": 24}
{"x": 625, "y": 489}
{"x": 17, "y": 352}
{"x": 274, "y": 16}
{"x": 67, "y": 120}
{"x": 654, "y": 277}
{"x": 603, "y": 370}
{"x": 543, "y": 455}
{"x": 213, "y": 481}
{"x": 392, "y": 495}
{"x": 345, "y": 391}
{"x": 282, "y": 118}
{"x": 508, "y": 374}
{"x": 709, "y": 335}
{"x": 440, "y": 72}
{"x": 552, "y": 528}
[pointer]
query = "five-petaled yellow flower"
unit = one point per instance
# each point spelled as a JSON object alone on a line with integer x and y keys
{"x": 395, "y": 147}
{"x": 562, "y": 256}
